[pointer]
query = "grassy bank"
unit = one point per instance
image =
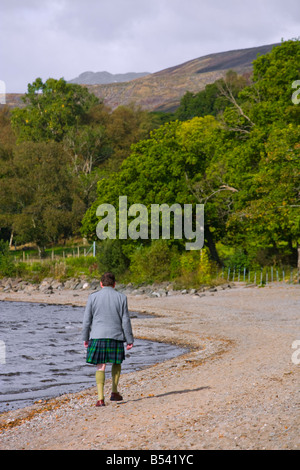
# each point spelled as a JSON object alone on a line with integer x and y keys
{"x": 156, "y": 263}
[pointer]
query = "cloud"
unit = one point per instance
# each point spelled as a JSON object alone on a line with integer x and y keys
{"x": 62, "y": 38}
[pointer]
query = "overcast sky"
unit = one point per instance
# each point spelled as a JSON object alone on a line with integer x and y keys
{"x": 63, "y": 38}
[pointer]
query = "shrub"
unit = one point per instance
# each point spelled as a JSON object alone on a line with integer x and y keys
{"x": 7, "y": 267}
{"x": 237, "y": 260}
{"x": 196, "y": 268}
{"x": 151, "y": 263}
{"x": 110, "y": 257}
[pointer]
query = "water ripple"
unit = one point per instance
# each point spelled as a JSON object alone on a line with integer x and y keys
{"x": 45, "y": 356}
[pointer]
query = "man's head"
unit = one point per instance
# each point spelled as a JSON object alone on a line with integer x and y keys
{"x": 108, "y": 280}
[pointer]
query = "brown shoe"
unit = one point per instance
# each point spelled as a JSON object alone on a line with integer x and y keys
{"x": 100, "y": 403}
{"x": 116, "y": 397}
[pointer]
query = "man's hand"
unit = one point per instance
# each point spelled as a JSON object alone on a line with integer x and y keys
{"x": 129, "y": 346}
{"x": 86, "y": 343}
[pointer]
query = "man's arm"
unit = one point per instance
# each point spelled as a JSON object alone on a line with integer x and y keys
{"x": 87, "y": 321}
{"x": 126, "y": 325}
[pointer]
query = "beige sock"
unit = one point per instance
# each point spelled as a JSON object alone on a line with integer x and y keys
{"x": 115, "y": 372}
{"x": 100, "y": 380}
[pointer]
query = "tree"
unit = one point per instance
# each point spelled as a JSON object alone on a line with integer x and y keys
{"x": 40, "y": 193}
{"x": 265, "y": 164}
{"x": 6, "y": 263}
{"x": 88, "y": 147}
{"x": 51, "y": 109}
{"x": 7, "y": 145}
{"x": 243, "y": 165}
{"x": 268, "y": 206}
{"x": 126, "y": 126}
{"x": 165, "y": 169}
{"x": 213, "y": 99}
{"x": 269, "y": 98}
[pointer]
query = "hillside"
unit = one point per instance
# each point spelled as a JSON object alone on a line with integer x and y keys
{"x": 162, "y": 91}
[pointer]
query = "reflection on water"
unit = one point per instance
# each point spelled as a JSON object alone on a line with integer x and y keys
{"x": 45, "y": 356}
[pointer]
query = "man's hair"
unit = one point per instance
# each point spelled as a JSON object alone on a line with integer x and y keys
{"x": 108, "y": 279}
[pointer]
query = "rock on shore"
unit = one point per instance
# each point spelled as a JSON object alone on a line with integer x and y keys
{"x": 51, "y": 285}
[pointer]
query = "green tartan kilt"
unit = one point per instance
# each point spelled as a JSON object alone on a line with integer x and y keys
{"x": 101, "y": 351}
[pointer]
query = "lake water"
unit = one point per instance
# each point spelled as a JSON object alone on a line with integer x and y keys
{"x": 45, "y": 356}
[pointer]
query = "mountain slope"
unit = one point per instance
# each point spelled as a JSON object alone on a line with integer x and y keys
{"x": 163, "y": 90}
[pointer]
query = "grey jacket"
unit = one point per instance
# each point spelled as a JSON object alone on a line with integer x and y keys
{"x": 106, "y": 316}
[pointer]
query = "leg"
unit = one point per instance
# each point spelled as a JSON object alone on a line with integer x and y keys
{"x": 115, "y": 372}
{"x": 100, "y": 380}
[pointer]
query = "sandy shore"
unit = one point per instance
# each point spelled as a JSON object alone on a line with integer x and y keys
{"x": 237, "y": 388}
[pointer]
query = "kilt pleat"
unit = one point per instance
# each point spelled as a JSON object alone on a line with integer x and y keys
{"x": 102, "y": 351}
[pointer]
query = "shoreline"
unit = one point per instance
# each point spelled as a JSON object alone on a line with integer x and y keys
{"x": 205, "y": 398}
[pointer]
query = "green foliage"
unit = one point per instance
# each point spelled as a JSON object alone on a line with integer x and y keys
{"x": 162, "y": 169}
{"x": 51, "y": 109}
{"x": 238, "y": 260}
{"x": 159, "y": 118}
{"x": 61, "y": 270}
{"x": 196, "y": 268}
{"x": 40, "y": 192}
{"x": 244, "y": 165}
{"x": 125, "y": 127}
{"x": 212, "y": 100}
{"x": 269, "y": 98}
{"x": 76, "y": 267}
{"x": 233, "y": 147}
{"x": 110, "y": 257}
{"x": 152, "y": 263}
{"x": 67, "y": 141}
{"x": 7, "y": 267}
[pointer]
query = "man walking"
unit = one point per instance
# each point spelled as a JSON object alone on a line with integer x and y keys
{"x": 106, "y": 326}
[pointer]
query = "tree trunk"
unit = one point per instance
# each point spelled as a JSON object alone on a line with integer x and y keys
{"x": 11, "y": 238}
{"x": 211, "y": 245}
{"x": 298, "y": 259}
{"x": 41, "y": 250}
